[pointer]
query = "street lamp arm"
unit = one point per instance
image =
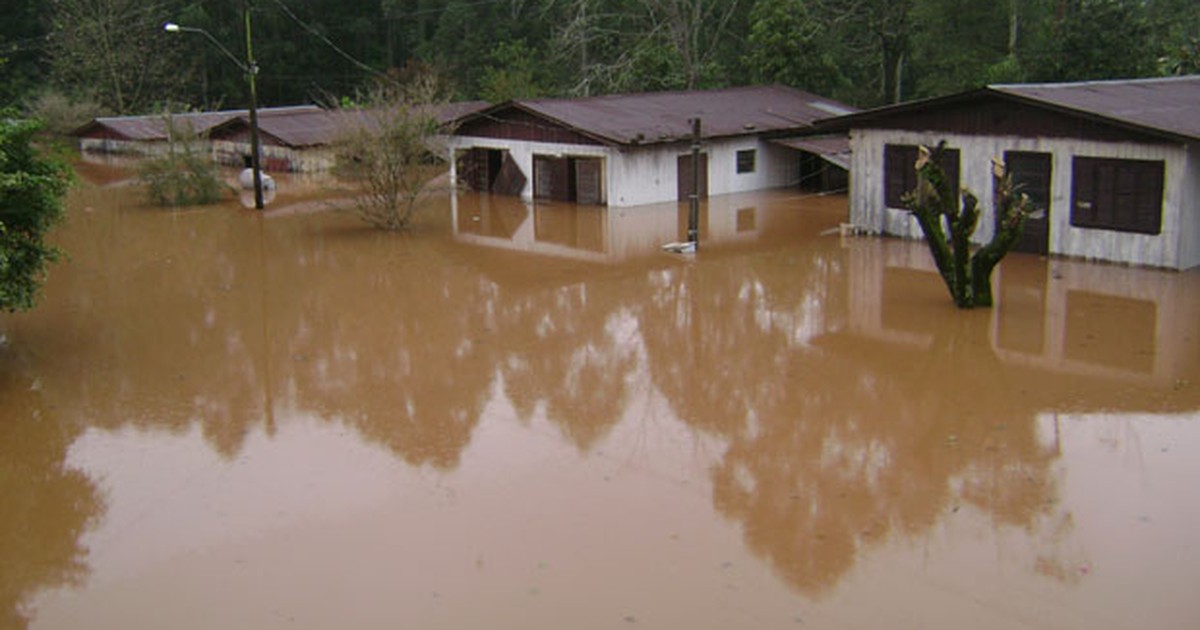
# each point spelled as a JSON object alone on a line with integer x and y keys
{"x": 172, "y": 27}
{"x": 251, "y": 69}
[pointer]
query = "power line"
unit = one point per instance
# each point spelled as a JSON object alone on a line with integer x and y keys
{"x": 330, "y": 43}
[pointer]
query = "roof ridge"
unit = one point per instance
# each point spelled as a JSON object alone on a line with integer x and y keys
{"x": 1069, "y": 84}
{"x": 675, "y": 92}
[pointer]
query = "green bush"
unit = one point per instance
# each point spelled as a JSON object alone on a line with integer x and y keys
{"x": 184, "y": 175}
{"x": 31, "y": 194}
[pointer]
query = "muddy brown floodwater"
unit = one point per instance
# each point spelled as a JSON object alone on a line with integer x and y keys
{"x": 531, "y": 417}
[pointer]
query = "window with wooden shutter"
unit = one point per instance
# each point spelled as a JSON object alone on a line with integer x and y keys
{"x": 1119, "y": 195}
{"x": 900, "y": 174}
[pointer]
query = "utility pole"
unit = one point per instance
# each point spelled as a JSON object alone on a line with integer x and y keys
{"x": 251, "y": 73}
{"x": 694, "y": 198}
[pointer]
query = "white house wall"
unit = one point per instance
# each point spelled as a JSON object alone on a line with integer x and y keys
{"x": 646, "y": 175}
{"x": 868, "y": 210}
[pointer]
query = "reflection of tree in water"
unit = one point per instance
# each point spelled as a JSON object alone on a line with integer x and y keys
{"x": 395, "y": 344}
{"x": 167, "y": 318}
{"x": 564, "y": 346}
{"x": 838, "y": 444}
{"x": 47, "y": 507}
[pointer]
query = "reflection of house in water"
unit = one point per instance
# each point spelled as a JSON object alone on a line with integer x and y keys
{"x": 610, "y": 235}
{"x": 1064, "y": 316}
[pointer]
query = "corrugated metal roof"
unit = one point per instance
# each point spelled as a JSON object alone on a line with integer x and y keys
{"x": 834, "y": 148}
{"x": 1167, "y": 107}
{"x": 154, "y": 127}
{"x": 663, "y": 116}
{"x": 321, "y": 128}
{"x": 1170, "y": 104}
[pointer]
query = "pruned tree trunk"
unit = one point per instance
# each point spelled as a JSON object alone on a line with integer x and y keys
{"x": 967, "y": 274}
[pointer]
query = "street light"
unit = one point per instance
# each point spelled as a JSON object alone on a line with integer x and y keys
{"x": 251, "y": 70}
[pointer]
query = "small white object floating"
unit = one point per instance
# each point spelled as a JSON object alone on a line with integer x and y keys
{"x": 686, "y": 247}
{"x": 246, "y": 179}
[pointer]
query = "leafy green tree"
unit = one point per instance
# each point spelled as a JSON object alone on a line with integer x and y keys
{"x": 1096, "y": 39}
{"x": 31, "y": 202}
{"x": 513, "y": 74}
{"x": 789, "y": 45}
{"x": 957, "y": 43}
{"x": 22, "y": 37}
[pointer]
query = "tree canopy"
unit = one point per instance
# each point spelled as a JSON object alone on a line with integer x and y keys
{"x": 865, "y": 52}
{"x": 31, "y": 191}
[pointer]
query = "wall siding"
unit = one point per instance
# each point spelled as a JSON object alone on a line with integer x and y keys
{"x": 868, "y": 210}
{"x": 513, "y": 124}
{"x": 1189, "y": 243}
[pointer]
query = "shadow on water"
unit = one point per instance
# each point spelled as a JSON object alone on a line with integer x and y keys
{"x": 854, "y": 404}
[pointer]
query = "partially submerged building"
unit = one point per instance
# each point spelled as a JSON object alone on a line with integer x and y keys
{"x": 306, "y": 142}
{"x": 148, "y": 135}
{"x": 634, "y": 149}
{"x": 298, "y": 139}
{"x": 1113, "y": 165}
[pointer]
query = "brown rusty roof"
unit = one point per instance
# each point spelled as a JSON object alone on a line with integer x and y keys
{"x": 1163, "y": 107}
{"x": 663, "y": 116}
{"x": 1169, "y": 104}
{"x": 834, "y": 148}
{"x": 322, "y": 128}
{"x": 153, "y": 127}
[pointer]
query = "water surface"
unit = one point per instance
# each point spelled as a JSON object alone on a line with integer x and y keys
{"x": 529, "y": 416}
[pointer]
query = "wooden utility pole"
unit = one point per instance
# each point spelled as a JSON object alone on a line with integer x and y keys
{"x": 694, "y": 198}
{"x": 251, "y": 73}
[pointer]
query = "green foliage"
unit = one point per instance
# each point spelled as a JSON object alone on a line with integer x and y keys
{"x": 967, "y": 275}
{"x": 1097, "y": 39}
{"x": 866, "y": 52}
{"x": 957, "y": 43}
{"x": 1181, "y": 60}
{"x": 789, "y": 45}
{"x": 183, "y": 175}
{"x": 31, "y": 203}
{"x": 511, "y": 75}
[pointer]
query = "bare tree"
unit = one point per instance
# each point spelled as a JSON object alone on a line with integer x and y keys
{"x": 694, "y": 28}
{"x": 391, "y": 147}
{"x": 115, "y": 52}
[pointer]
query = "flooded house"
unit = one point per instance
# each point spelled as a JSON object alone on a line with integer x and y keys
{"x": 1113, "y": 165}
{"x": 150, "y": 134}
{"x": 636, "y": 149}
{"x": 291, "y": 139}
{"x": 306, "y": 142}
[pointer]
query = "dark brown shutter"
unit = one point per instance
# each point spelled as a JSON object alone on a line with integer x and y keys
{"x": 948, "y": 160}
{"x": 684, "y": 176}
{"x": 1115, "y": 194}
{"x": 899, "y": 171}
{"x": 588, "y": 189}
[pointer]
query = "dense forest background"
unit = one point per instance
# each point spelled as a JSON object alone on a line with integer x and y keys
{"x": 114, "y": 56}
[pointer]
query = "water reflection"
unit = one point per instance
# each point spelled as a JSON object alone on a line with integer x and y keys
{"x": 854, "y": 407}
{"x": 47, "y": 506}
